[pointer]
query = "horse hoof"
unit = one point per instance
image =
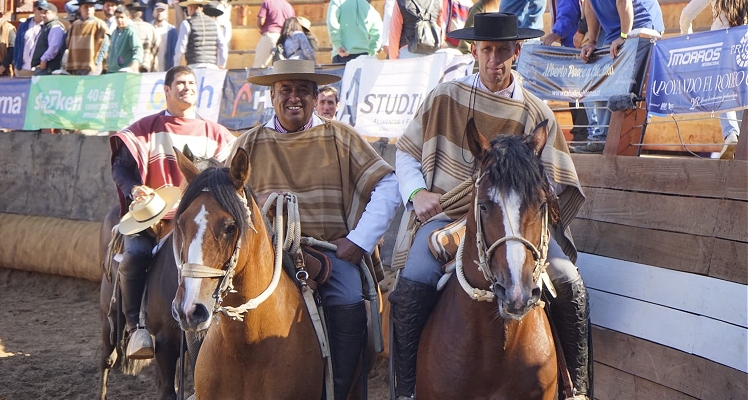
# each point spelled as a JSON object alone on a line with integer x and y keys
{"x": 140, "y": 345}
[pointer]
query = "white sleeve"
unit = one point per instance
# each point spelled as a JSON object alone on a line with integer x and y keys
{"x": 378, "y": 214}
{"x": 689, "y": 13}
{"x": 409, "y": 174}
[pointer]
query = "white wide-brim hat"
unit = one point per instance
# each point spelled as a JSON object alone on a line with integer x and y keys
{"x": 150, "y": 211}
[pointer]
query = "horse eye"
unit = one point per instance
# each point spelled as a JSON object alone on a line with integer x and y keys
{"x": 230, "y": 229}
{"x": 482, "y": 206}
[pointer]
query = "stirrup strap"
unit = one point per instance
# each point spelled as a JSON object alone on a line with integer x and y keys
{"x": 562, "y": 366}
{"x": 320, "y": 332}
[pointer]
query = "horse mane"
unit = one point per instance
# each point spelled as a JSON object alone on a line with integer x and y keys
{"x": 217, "y": 182}
{"x": 511, "y": 165}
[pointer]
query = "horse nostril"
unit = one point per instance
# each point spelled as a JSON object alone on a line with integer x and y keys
{"x": 200, "y": 313}
{"x": 536, "y": 293}
{"x": 499, "y": 290}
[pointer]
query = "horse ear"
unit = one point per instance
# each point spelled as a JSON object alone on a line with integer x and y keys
{"x": 538, "y": 138}
{"x": 478, "y": 144}
{"x": 189, "y": 154}
{"x": 239, "y": 171}
{"x": 189, "y": 171}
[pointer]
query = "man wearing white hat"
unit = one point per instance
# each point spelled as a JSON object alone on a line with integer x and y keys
{"x": 347, "y": 195}
{"x": 199, "y": 39}
{"x": 494, "y": 98}
{"x": 143, "y": 160}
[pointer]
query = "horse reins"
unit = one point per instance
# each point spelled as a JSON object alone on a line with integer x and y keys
{"x": 485, "y": 254}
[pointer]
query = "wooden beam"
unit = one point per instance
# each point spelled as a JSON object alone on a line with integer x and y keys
{"x": 625, "y": 128}
{"x": 613, "y": 384}
{"x": 728, "y": 261}
{"x": 683, "y": 176}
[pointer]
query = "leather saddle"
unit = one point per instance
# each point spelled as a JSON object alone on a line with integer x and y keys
{"x": 317, "y": 265}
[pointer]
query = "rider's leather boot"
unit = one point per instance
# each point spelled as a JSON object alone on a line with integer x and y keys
{"x": 570, "y": 314}
{"x": 411, "y": 303}
{"x": 132, "y": 282}
{"x": 347, "y": 331}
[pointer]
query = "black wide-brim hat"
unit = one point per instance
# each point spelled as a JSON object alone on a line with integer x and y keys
{"x": 495, "y": 27}
{"x": 82, "y": 2}
{"x": 136, "y": 6}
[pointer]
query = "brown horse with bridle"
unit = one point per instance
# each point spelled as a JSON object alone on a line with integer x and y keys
{"x": 488, "y": 336}
{"x": 261, "y": 343}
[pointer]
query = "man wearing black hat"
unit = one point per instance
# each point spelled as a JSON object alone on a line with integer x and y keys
{"x": 494, "y": 97}
{"x": 48, "y": 52}
{"x": 347, "y": 195}
{"x": 147, "y": 33}
{"x": 87, "y": 42}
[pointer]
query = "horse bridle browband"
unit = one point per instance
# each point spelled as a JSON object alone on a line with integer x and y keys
{"x": 485, "y": 254}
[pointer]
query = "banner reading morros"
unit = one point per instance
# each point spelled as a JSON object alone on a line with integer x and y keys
{"x": 558, "y": 73}
{"x": 702, "y": 72}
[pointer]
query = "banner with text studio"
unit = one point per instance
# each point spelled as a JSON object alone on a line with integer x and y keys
{"x": 702, "y": 72}
{"x": 558, "y": 73}
{"x": 13, "y": 99}
{"x": 381, "y": 97}
{"x": 245, "y": 105}
{"x": 208, "y": 82}
{"x": 103, "y": 103}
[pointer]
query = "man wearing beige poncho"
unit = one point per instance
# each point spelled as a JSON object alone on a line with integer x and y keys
{"x": 432, "y": 159}
{"x": 347, "y": 195}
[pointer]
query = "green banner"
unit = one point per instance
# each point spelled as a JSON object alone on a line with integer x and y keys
{"x": 104, "y": 103}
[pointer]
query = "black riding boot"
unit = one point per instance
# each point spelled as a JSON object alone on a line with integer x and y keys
{"x": 132, "y": 272}
{"x": 411, "y": 303}
{"x": 347, "y": 330}
{"x": 570, "y": 313}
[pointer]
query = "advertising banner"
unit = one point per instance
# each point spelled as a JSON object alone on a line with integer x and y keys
{"x": 558, "y": 73}
{"x": 245, "y": 105}
{"x": 13, "y": 99}
{"x": 209, "y": 84}
{"x": 702, "y": 72}
{"x": 104, "y": 103}
{"x": 379, "y": 98}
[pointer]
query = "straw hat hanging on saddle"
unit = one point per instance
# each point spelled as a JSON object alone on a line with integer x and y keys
{"x": 495, "y": 27}
{"x": 289, "y": 70}
{"x": 152, "y": 209}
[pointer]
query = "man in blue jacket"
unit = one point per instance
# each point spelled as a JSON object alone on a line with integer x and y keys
{"x": 23, "y": 51}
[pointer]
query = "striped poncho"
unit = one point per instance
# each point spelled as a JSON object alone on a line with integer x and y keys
{"x": 150, "y": 141}
{"x": 436, "y": 137}
{"x": 330, "y": 168}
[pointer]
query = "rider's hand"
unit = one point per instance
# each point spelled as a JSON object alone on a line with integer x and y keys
{"x": 347, "y": 250}
{"x": 614, "y": 48}
{"x": 140, "y": 192}
{"x": 426, "y": 204}
{"x": 587, "y": 51}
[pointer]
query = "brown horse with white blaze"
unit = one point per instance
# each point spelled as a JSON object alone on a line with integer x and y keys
{"x": 226, "y": 257}
{"x": 496, "y": 343}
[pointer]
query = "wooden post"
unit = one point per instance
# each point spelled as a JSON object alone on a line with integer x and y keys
{"x": 625, "y": 128}
{"x": 741, "y": 152}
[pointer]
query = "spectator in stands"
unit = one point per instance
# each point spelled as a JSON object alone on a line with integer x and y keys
{"x": 325, "y": 163}
{"x": 438, "y": 129}
{"x": 481, "y": 6}
{"x": 615, "y": 19}
{"x": 23, "y": 51}
{"x": 293, "y": 43}
{"x": 726, "y": 14}
{"x": 48, "y": 52}
{"x": 354, "y": 27}
{"x": 143, "y": 160}
{"x": 530, "y": 12}
{"x": 199, "y": 39}
{"x": 167, "y": 41}
{"x": 108, "y": 9}
{"x": 7, "y": 41}
{"x": 125, "y": 50}
{"x": 386, "y": 32}
{"x": 306, "y": 26}
{"x": 71, "y": 8}
{"x": 563, "y": 31}
{"x": 457, "y": 13}
{"x": 87, "y": 42}
{"x": 403, "y": 24}
{"x": 327, "y": 102}
{"x": 218, "y": 10}
{"x": 147, "y": 34}
{"x": 271, "y": 18}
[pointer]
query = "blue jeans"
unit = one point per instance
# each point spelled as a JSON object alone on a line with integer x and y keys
{"x": 729, "y": 123}
{"x": 530, "y": 12}
{"x": 345, "y": 285}
{"x": 598, "y": 116}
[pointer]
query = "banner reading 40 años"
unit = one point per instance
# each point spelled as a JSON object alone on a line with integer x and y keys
{"x": 103, "y": 103}
{"x": 703, "y": 72}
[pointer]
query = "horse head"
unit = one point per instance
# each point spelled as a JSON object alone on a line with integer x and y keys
{"x": 513, "y": 203}
{"x": 213, "y": 223}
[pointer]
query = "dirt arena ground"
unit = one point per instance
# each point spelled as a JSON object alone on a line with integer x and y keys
{"x": 50, "y": 338}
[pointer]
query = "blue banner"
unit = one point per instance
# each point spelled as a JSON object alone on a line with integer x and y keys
{"x": 13, "y": 100}
{"x": 245, "y": 105}
{"x": 703, "y": 72}
{"x": 558, "y": 73}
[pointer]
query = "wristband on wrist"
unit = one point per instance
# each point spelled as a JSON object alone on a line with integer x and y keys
{"x": 623, "y": 35}
{"x": 411, "y": 196}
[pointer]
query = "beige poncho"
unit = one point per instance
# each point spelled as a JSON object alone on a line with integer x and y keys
{"x": 329, "y": 167}
{"x": 436, "y": 137}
